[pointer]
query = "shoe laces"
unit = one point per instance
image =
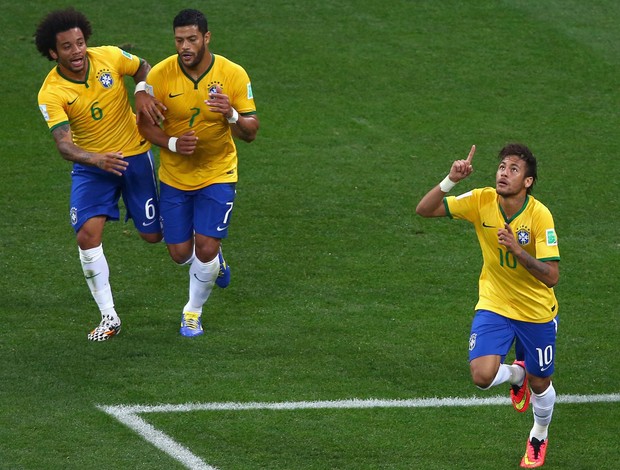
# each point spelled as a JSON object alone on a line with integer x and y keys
{"x": 535, "y": 443}
{"x": 107, "y": 324}
{"x": 191, "y": 320}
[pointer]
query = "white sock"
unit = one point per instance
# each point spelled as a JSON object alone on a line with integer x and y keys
{"x": 202, "y": 278}
{"x": 503, "y": 375}
{"x": 542, "y": 404}
{"x": 97, "y": 275}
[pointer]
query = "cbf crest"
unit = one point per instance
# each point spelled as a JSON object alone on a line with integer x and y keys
{"x": 523, "y": 235}
{"x": 105, "y": 78}
{"x": 213, "y": 86}
{"x": 472, "y": 341}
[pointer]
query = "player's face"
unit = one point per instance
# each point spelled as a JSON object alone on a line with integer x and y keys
{"x": 70, "y": 52}
{"x": 191, "y": 45}
{"x": 510, "y": 179}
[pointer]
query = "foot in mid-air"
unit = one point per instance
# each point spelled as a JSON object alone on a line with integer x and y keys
{"x": 520, "y": 396}
{"x": 223, "y": 278}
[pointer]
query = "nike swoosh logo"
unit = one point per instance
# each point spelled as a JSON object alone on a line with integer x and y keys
{"x": 221, "y": 229}
{"x": 91, "y": 276}
{"x": 71, "y": 102}
{"x": 144, "y": 224}
{"x": 200, "y": 280}
{"x": 142, "y": 142}
{"x": 170, "y": 95}
{"x": 484, "y": 224}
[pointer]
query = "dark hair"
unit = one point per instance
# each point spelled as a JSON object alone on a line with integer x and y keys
{"x": 191, "y": 17}
{"x": 56, "y": 22}
{"x": 525, "y": 154}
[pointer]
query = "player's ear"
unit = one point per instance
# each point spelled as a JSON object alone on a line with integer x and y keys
{"x": 53, "y": 54}
{"x": 207, "y": 37}
{"x": 528, "y": 182}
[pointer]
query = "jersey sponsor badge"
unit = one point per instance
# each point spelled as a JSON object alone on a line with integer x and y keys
{"x": 127, "y": 54}
{"x": 43, "y": 109}
{"x": 552, "y": 239}
{"x": 250, "y": 93}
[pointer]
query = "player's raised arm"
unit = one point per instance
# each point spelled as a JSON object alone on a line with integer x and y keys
{"x": 431, "y": 205}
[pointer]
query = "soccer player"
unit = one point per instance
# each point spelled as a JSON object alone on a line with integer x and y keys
{"x": 516, "y": 299}
{"x": 209, "y": 101}
{"x": 84, "y": 102}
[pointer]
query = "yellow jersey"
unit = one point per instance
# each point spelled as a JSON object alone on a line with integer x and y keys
{"x": 97, "y": 109}
{"x": 215, "y": 157}
{"x": 506, "y": 287}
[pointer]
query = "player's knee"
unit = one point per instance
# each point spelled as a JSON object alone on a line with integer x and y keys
{"x": 482, "y": 378}
{"x": 539, "y": 384}
{"x": 151, "y": 237}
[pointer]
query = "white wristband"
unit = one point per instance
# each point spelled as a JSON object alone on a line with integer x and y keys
{"x": 447, "y": 184}
{"x": 140, "y": 86}
{"x": 172, "y": 144}
{"x": 234, "y": 118}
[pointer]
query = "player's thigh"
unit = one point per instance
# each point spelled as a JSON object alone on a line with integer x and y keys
{"x": 491, "y": 335}
{"x": 93, "y": 193}
{"x": 140, "y": 193}
{"x": 177, "y": 214}
{"x": 538, "y": 344}
{"x": 213, "y": 210}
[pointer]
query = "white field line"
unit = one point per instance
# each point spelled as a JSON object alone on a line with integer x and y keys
{"x": 128, "y": 414}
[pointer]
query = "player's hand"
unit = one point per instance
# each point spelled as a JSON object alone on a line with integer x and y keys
{"x": 219, "y": 102}
{"x": 506, "y": 237}
{"x": 112, "y": 162}
{"x": 186, "y": 144}
{"x": 149, "y": 107}
{"x": 461, "y": 169}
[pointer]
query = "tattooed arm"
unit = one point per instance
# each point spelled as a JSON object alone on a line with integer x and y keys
{"x": 112, "y": 161}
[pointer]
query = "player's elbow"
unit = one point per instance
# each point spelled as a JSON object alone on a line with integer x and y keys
{"x": 425, "y": 211}
{"x": 552, "y": 281}
{"x": 553, "y": 276}
{"x": 420, "y": 210}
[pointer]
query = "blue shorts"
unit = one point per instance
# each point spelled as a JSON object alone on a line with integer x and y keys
{"x": 493, "y": 334}
{"x": 206, "y": 211}
{"x": 96, "y": 192}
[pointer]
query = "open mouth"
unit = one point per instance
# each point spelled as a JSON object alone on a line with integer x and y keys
{"x": 77, "y": 62}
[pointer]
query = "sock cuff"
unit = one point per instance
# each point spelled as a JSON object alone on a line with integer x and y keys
{"x": 91, "y": 255}
{"x": 549, "y": 390}
{"x": 205, "y": 266}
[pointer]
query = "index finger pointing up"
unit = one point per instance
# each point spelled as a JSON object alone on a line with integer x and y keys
{"x": 471, "y": 154}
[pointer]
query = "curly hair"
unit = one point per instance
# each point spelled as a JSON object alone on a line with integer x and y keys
{"x": 59, "y": 21}
{"x": 525, "y": 154}
{"x": 191, "y": 17}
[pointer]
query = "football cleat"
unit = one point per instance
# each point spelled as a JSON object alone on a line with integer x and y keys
{"x": 191, "y": 324}
{"x": 520, "y": 396}
{"x": 223, "y": 277}
{"x": 534, "y": 453}
{"x": 105, "y": 330}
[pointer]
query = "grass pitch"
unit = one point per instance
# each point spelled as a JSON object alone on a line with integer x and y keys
{"x": 339, "y": 291}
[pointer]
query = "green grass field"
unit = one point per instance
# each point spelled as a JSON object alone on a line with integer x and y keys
{"x": 339, "y": 290}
